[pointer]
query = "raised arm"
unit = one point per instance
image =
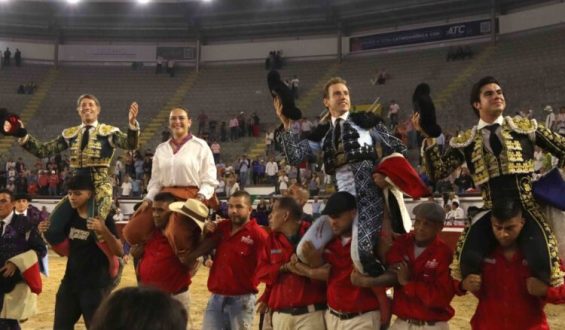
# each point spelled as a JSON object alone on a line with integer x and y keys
{"x": 129, "y": 140}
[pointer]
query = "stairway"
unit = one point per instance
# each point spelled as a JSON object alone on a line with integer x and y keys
{"x": 462, "y": 79}
{"x": 304, "y": 103}
{"x": 151, "y": 133}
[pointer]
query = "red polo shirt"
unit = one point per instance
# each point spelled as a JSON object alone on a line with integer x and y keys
{"x": 286, "y": 290}
{"x": 160, "y": 267}
{"x": 504, "y": 302}
{"x": 342, "y": 295}
{"x": 427, "y": 295}
{"x": 235, "y": 262}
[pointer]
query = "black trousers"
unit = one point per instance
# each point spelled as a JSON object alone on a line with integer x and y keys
{"x": 71, "y": 303}
{"x": 480, "y": 241}
{"x": 8, "y": 324}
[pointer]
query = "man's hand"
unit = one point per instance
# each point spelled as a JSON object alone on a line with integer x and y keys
{"x": 310, "y": 252}
{"x": 133, "y": 111}
{"x": 416, "y": 122}
{"x": 145, "y": 204}
{"x": 9, "y": 269}
{"x": 358, "y": 279}
{"x": 402, "y": 272}
{"x": 277, "y": 104}
{"x": 43, "y": 226}
{"x": 380, "y": 181}
{"x": 262, "y": 307}
{"x": 536, "y": 287}
{"x": 210, "y": 227}
{"x": 97, "y": 225}
{"x": 472, "y": 283}
{"x": 294, "y": 268}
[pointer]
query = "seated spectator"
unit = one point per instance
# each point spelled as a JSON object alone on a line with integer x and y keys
{"x": 140, "y": 308}
{"x": 457, "y": 213}
{"x": 21, "y": 89}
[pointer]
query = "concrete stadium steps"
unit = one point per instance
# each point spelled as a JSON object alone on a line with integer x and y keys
{"x": 311, "y": 102}
{"x": 29, "y": 111}
{"x": 406, "y": 70}
{"x": 530, "y": 68}
{"x": 115, "y": 87}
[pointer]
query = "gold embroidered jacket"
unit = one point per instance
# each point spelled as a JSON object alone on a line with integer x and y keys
{"x": 519, "y": 136}
{"x": 98, "y": 151}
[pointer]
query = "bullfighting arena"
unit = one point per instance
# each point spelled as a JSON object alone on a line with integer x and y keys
{"x": 464, "y": 306}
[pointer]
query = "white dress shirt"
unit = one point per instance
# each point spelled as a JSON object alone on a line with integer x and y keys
{"x": 7, "y": 220}
{"x": 192, "y": 165}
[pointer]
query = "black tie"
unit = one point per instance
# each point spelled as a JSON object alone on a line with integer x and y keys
{"x": 2, "y": 223}
{"x": 85, "y": 137}
{"x": 337, "y": 132}
{"x": 494, "y": 141}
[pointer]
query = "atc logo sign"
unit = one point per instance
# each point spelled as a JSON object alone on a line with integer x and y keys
{"x": 456, "y": 30}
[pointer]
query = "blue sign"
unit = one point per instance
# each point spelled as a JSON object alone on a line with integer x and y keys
{"x": 428, "y": 34}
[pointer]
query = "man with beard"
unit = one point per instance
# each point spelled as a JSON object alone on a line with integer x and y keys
{"x": 238, "y": 242}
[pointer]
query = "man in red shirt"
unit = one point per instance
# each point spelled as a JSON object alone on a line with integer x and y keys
{"x": 420, "y": 261}
{"x": 509, "y": 297}
{"x": 159, "y": 266}
{"x": 349, "y": 306}
{"x": 238, "y": 242}
{"x": 297, "y": 302}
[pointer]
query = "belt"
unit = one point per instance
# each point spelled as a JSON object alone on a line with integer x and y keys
{"x": 418, "y": 322}
{"x": 303, "y": 309}
{"x": 346, "y": 316}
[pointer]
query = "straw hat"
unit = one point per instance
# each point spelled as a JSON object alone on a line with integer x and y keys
{"x": 193, "y": 209}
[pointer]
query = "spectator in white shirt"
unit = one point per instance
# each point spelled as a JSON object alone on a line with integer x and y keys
{"x": 271, "y": 170}
{"x": 126, "y": 187}
{"x": 457, "y": 213}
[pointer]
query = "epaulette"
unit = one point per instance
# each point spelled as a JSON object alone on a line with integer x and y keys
{"x": 463, "y": 139}
{"x": 319, "y": 132}
{"x": 105, "y": 130}
{"x": 365, "y": 119}
{"x": 521, "y": 125}
{"x": 71, "y": 132}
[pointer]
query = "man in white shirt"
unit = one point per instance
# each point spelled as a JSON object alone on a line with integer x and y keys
{"x": 126, "y": 187}
{"x": 457, "y": 213}
{"x": 271, "y": 170}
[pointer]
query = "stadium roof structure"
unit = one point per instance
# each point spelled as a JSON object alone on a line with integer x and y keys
{"x": 219, "y": 20}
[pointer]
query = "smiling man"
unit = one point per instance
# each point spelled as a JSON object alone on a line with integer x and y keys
{"x": 91, "y": 145}
{"x": 499, "y": 152}
{"x": 348, "y": 143}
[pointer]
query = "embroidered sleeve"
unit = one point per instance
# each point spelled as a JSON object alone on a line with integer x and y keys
{"x": 295, "y": 149}
{"x": 127, "y": 141}
{"x": 388, "y": 142}
{"x": 551, "y": 142}
{"x": 45, "y": 149}
{"x": 440, "y": 166}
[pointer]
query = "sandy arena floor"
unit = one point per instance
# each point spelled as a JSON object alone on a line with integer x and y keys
{"x": 464, "y": 306}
